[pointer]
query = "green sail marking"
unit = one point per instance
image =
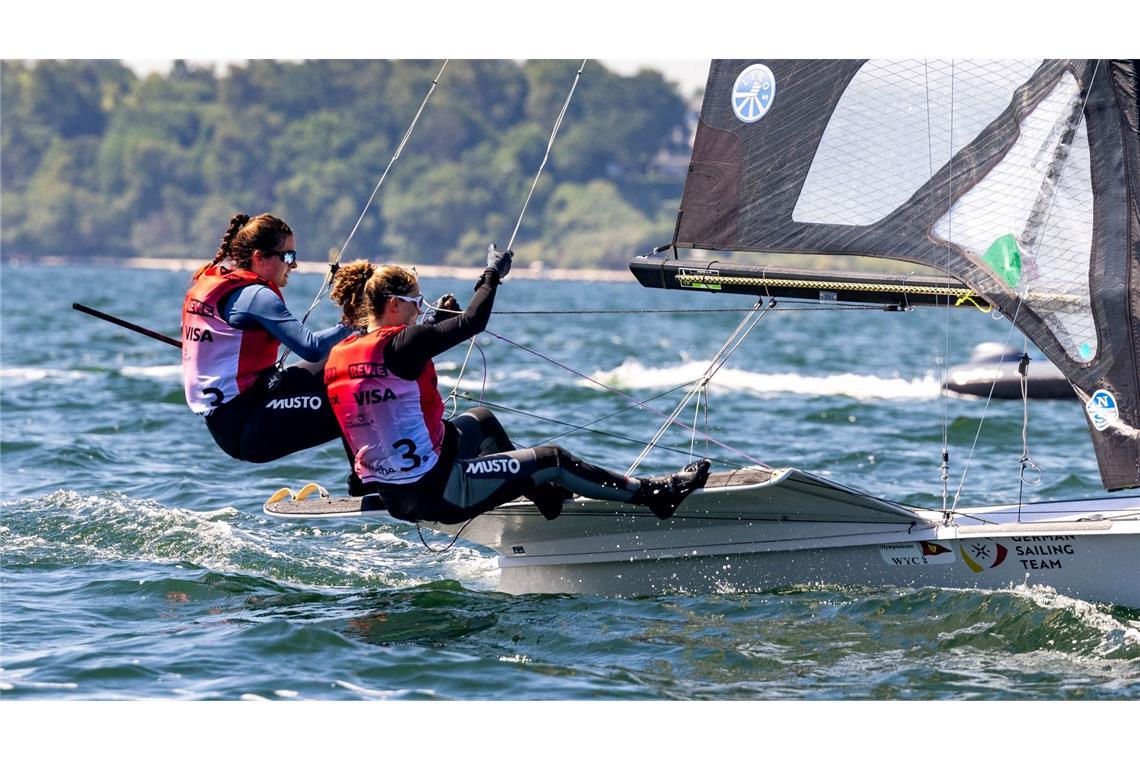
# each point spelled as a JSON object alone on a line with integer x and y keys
{"x": 1004, "y": 257}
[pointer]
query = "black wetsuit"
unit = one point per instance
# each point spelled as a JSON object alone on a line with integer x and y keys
{"x": 478, "y": 467}
{"x": 285, "y": 411}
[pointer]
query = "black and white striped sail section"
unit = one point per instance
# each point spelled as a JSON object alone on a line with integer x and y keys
{"x": 1018, "y": 179}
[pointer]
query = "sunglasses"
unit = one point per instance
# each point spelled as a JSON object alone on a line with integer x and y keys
{"x": 289, "y": 257}
{"x": 417, "y": 300}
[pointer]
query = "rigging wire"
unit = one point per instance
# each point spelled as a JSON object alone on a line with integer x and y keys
{"x": 575, "y": 428}
{"x": 623, "y": 410}
{"x": 549, "y": 146}
{"x": 708, "y": 439}
{"x": 432, "y": 549}
{"x": 1019, "y": 300}
{"x": 1027, "y": 462}
{"x": 537, "y": 175}
{"x": 624, "y": 395}
{"x": 696, "y": 419}
{"x": 334, "y": 265}
{"x": 944, "y": 468}
{"x": 722, "y": 355}
{"x": 463, "y": 368}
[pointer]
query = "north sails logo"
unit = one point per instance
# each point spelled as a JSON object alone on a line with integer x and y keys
{"x": 493, "y": 466}
{"x": 297, "y": 402}
{"x": 1102, "y": 409}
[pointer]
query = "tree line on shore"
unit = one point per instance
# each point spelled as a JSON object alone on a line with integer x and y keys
{"x": 98, "y": 161}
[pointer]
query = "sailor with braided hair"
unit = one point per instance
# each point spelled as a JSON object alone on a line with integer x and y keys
{"x": 234, "y": 320}
{"x": 382, "y": 386}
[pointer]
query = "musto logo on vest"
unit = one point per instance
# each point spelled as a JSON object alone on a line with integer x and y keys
{"x": 497, "y": 466}
{"x": 297, "y": 402}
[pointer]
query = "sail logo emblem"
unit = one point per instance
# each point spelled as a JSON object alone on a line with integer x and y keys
{"x": 982, "y": 554}
{"x": 1102, "y": 409}
{"x": 753, "y": 93}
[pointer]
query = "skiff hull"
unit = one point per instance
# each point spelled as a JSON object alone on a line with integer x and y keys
{"x": 753, "y": 530}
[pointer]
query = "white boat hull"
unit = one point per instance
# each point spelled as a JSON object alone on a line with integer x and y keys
{"x": 1101, "y": 567}
{"x": 760, "y": 530}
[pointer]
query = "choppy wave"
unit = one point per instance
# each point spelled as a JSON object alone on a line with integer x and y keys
{"x": 631, "y": 374}
{"x": 66, "y": 528}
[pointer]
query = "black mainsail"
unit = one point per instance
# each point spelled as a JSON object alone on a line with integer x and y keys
{"x": 1020, "y": 180}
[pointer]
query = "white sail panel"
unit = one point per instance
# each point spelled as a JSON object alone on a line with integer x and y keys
{"x": 1030, "y": 219}
{"x": 897, "y": 123}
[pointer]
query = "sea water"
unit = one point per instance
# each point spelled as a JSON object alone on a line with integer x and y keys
{"x": 137, "y": 563}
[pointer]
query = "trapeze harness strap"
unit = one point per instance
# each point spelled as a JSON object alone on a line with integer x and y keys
{"x": 393, "y": 426}
{"x": 220, "y": 361}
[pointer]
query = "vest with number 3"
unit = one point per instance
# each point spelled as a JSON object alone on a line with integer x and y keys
{"x": 220, "y": 361}
{"x": 394, "y": 426}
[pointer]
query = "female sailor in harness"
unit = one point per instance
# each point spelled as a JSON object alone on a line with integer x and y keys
{"x": 382, "y": 386}
{"x": 233, "y": 322}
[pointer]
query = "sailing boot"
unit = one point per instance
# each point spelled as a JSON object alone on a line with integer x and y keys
{"x": 548, "y": 497}
{"x": 664, "y": 493}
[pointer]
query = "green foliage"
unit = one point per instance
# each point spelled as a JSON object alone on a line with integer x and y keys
{"x": 593, "y": 225}
{"x": 98, "y": 161}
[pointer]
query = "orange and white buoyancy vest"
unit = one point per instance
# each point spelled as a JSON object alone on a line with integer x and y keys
{"x": 220, "y": 361}
{"x": 394, "y": 426}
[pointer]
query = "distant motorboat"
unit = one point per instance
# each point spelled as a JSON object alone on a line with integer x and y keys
{"x": 995, "y": 365}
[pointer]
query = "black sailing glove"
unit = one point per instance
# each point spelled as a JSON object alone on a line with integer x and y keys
{"x": 450, "y": 308}
{"x": 498, "y": 260}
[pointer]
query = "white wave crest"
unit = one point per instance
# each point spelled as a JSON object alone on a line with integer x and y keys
{"x": 382, "y": 693}
{"x": 631, "y": 374}
{"x": 468, "y": 384}
{"x": 39, "y": 374}
{"x": 160, "y": 372}
{"x": 1117, "y": 634}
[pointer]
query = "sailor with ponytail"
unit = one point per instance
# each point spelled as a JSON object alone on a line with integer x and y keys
{"x": 234, "y": 321}
{"x": 382, "y": 387}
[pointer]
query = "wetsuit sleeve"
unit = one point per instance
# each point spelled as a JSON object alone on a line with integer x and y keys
{"x": 258, "y": 305}
{"x": 408, "y": 352}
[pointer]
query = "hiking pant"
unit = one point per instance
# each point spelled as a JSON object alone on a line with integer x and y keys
{"x": 275, "y": 418}
{"x": 488, "y": 471}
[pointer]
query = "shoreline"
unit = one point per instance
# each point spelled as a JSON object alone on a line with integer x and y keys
{"x": 536, "y": 271}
